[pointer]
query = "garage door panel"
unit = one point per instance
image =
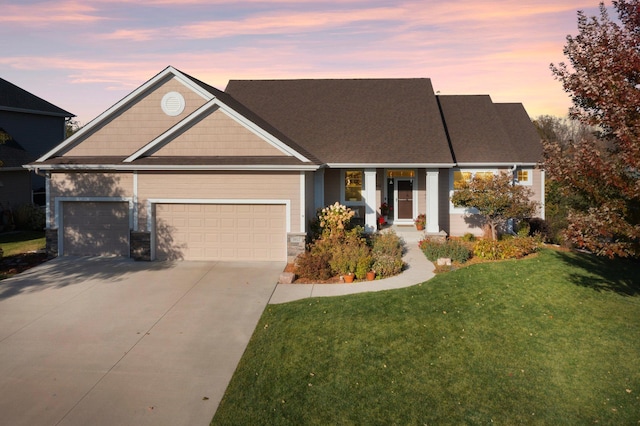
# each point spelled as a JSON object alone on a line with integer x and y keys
{"x": 95, "y": 228}
{"x": 221, "y": 232}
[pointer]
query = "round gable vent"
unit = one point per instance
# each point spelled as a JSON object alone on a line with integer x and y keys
{"x": 172, "y": 103}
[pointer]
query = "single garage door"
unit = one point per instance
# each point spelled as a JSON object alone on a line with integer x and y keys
{"x": 221, "y": 232}
{"x": 95, "y": 228}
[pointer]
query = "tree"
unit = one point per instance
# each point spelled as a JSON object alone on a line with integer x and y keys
{"x": 602, "y": 176}
{"x": 562, "y": 132}
{"x": 496, "y": 198}
{"x": 71, "y": 126}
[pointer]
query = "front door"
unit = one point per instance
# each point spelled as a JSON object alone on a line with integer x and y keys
{"x": 404, "y": 197}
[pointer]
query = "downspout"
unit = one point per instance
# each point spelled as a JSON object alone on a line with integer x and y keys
{"x": 513, "y": 182}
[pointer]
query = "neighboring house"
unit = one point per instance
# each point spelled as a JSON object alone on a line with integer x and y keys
{"x": 29, "y": 127}
{"x": 181, "y": 170}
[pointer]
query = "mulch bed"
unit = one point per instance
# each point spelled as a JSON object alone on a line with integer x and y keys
{"x": 12, "y": 265}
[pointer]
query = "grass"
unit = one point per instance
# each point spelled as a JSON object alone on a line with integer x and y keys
{"x": 19, "y": 242}
{"x": 552, "y": 339}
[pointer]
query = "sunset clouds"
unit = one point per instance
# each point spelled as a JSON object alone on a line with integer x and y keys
{"x": 86, "y": 55}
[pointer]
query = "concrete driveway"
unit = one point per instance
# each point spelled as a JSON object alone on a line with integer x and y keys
{"x": 88, "y": 341}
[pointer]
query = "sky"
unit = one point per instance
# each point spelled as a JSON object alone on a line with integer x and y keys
{"x": 86, "y": 55}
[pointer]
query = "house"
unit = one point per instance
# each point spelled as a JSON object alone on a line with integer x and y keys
{"x": 181, "y": 170}
{"x": 29, "y": 127}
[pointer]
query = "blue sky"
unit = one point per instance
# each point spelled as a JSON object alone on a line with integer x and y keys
{"x": 85, "y": 55}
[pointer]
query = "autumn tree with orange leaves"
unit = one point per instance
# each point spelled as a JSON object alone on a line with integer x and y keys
{"x": 602, "y": 175}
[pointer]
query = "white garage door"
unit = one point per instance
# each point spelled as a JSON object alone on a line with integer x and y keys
{"x": 221, "y": 232}
{"x": 95, "y": 228}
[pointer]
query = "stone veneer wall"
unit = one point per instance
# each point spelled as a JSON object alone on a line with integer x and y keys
{"x": 51, "y": 238}
{"x": 140, "y": 245}
{"x": 296, "y": 242}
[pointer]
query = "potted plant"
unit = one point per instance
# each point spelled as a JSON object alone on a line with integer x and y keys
{"x": 371, "y": 275}
{"x": 421, "y": 221}
{"x": 384, "y": 210}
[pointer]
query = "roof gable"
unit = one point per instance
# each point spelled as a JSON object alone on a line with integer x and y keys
{"x": 13, "y": 98}
{"x": 364, "y": 121}
{"x": 169, "y": 75}
{"x": 217, "y": 134}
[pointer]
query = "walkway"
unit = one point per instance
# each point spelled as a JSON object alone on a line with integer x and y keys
{"x": 418, "y": 270}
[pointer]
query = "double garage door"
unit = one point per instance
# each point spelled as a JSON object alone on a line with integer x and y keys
{"x": 220, "y": 232}
{"x": 182, "y": 231}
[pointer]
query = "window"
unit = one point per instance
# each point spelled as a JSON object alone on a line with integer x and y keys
{"x": 353, "y": 180}
{"x": 524, "y": 176}
{"x": 458, "y": 177}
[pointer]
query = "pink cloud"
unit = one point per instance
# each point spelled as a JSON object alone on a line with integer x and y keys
{"x": 49, "y": 13}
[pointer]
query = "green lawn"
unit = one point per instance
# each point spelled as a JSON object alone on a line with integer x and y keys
{"x": 18, "y": 242}
{"x": 552, "y": 339}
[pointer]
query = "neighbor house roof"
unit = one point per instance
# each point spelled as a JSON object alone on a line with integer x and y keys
{"x": 368, "y": 121}
{"x": 13, "y": 98}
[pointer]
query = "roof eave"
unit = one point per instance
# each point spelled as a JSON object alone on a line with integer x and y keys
{"x": 146, "y": 167}
{"x": 496, "y": 164}
{"x": 64, "y": 114}
{"x": 391, "y": 165}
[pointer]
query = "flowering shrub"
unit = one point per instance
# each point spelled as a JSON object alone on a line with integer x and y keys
{"x": 349, "y": 253}
{"x": 314, "y": 264}
{"x": 455, "y": 250}
{"x": 335, "y": 218}
{"x": 338, "y": 250}
{"x": 387, "y": 251}
{"x": 507, "y": 248}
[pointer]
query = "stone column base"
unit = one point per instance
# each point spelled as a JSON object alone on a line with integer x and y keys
{"x": 296, "y": 242}
{"x": 51, "y": 238}
{"x": 140, "y": 245}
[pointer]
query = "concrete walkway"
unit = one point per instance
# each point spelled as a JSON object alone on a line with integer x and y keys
{"x": 418, "y": 270}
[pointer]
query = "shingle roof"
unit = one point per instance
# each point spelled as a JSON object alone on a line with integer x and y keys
{"x": 483, "y": 132}
{"x": 391, "y": 121}
{"x": 12, "y": 154}
{"x": 13, "y": 98}
{"x": 369, "y": 122}
{"x": 522, "y": 133}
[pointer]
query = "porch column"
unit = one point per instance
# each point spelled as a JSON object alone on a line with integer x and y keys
{"x": 318, "y": 189}
{"x": 432, "y": 201}
{"x": 370, "y": 224}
